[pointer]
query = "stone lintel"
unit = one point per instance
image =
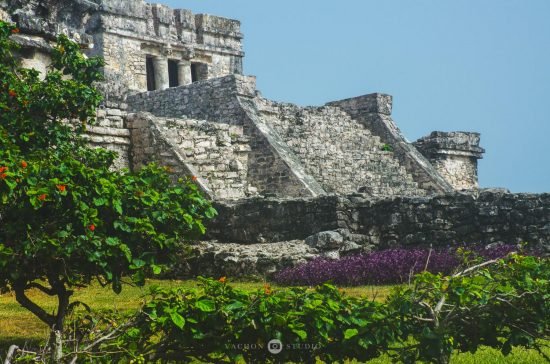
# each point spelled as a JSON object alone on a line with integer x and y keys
{"x": 457, "y": 143}
{"x": 371, "y": 103}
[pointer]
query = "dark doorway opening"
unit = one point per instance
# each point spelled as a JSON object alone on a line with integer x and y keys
{"x": 199, "y": 72}
{"x": 173, "y": 73}
{"x": 194, "y": 72}
{"x": 150, "y": 71}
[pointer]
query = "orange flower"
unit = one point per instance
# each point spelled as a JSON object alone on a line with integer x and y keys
{"x": 3, "y": 176}
{"x": 194, "y": 178}
{"x": 24, "y": 164}
{"x": 61, "y": 188}
{"x": 42, "y": 197}
{"x": 267, "y": 289}
{"x": 3, "y": 169}
{"x": 12, "y": 93}
{"x": 222, "y": 279}
{"x": 15, "y": 30}
{"x": 91, "y": 227}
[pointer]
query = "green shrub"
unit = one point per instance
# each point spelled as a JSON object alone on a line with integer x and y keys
{"x": 223, "y": 323}
{"x": 500, "y": 304}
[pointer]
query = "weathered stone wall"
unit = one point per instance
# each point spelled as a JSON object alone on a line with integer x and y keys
{"x": 458, "y": 218}
{"x": 374, "y": 111}
{"x": 227, "y": 100}
{"x": 449, "y": 219}
{"x": 213, "y": 100}
{"x": 216, "y": 153}
{"x": 260, "y": 220}
{"x": 339, "y": 152}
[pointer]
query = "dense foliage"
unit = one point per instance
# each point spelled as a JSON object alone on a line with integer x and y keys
{"x": 391, "y": 266}
{"x": 225, "y": 323}
{"x": 502, "y": 303}
{"x": 65, "y": 216}
{"x": 499, "y": 303}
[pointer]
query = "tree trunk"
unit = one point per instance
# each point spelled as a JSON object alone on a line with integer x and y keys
{"x": 56, "y": 336}
{"x": 56, "y": 345}
{"x": 55, "y": 322}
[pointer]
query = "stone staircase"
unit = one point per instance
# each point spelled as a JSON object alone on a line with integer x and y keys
{"x": 217, "y": 152}
{"x": 339, "y": 152}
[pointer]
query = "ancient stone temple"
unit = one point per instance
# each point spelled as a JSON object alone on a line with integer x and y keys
{"x": 175, "y": 93}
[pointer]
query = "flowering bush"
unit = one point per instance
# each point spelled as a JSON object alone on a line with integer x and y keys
{"x": 66, "y": 218}
{"x": 383, "y": 267}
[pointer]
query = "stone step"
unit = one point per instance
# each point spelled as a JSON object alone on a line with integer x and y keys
{"x": 339, "y": 152}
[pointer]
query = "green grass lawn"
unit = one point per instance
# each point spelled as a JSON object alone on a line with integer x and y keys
{"x": 19, "y": 326}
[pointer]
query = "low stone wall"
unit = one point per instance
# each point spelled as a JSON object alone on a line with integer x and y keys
{"x": 260, "y": 220}
{"x": 456, "y": 219}
{"x": 441, "y": 220}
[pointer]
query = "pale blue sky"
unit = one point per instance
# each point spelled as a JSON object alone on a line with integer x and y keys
{"x": 470, "y": 65}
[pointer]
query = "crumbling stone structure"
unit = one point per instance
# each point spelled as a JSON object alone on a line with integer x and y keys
{"x": 454, "y": 155}
{"x": 175, "y": 93}
{"x": 188, "y": 68}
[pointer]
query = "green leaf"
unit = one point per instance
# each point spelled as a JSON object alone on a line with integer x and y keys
{"x": 117, "y": 205}
{"x": 63, "y": 234}
{"x": 138, "y": 263}
{"x": 349, "y": 333}
{"x": 234, "y": 306}
{"x": 156, "y": 269}
{"x": 112, "y": 241}
{"x": 126, "y": 251}
{"x": 177, "y": 319}
{"x": 100, "y": 201}
{"x": 301, "y": 333}
{"x": 210, "y": 212}
{"x": 206, "y": 305}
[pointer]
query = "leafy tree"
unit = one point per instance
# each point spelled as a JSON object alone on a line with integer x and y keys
{"x": 67, "y": 218}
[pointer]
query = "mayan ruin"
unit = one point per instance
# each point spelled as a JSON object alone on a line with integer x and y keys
{"x": 175, "y": 93}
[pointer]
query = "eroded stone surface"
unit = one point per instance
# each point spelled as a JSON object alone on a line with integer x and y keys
{"x": 454, "y": 155}
{"x": 218, "y": 259}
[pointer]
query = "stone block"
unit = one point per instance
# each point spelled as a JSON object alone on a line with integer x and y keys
{"x": 325, "y": 240}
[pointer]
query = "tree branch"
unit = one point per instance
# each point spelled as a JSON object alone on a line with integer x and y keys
{"x": 38, "y": 311}
{"x": 46, "y": 290}
{"x": 474, "y": 268}
{"x": 441, "y": 302}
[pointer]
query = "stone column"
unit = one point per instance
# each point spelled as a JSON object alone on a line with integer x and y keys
{"x": 161, "y": 73}
{"x": 454, "y": 155}
{"x": 184, "y": 72}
